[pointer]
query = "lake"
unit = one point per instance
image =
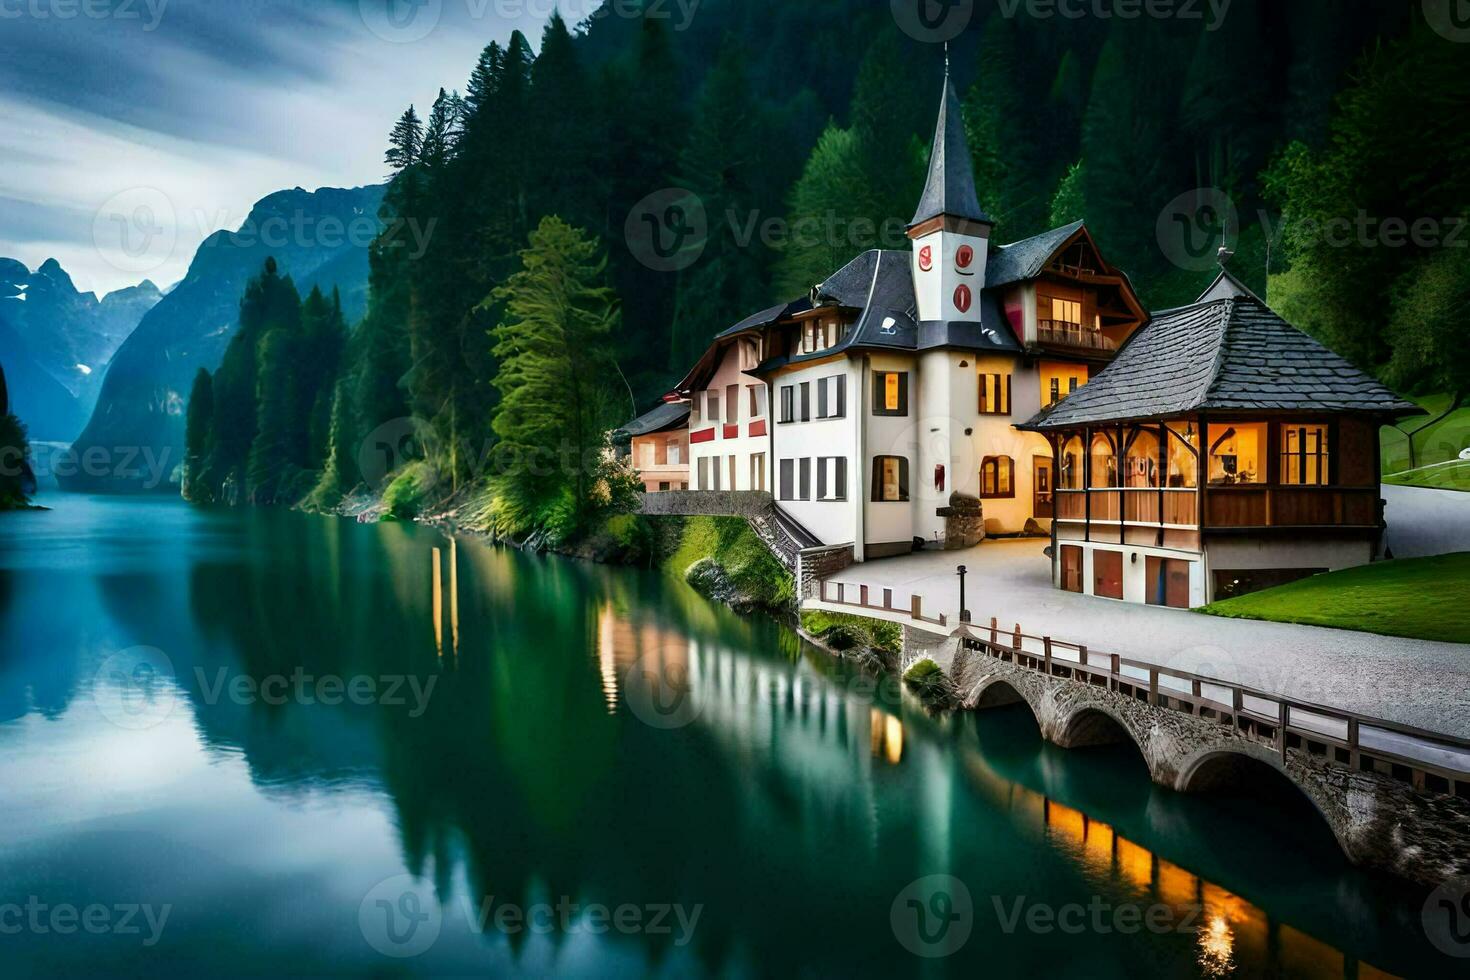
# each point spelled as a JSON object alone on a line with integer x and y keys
{"x": 249, "y": 742}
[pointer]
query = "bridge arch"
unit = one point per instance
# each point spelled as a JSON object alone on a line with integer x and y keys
{"x": 1249, "y": 771}
{"x": 1096, "y": 723}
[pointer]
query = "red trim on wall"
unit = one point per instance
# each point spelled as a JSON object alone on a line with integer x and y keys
{"x": 703, "y": 435}
{"x": 758, "y": 427}
{"x": 732, "y": 432}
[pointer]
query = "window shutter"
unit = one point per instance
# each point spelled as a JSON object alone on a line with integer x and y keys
{"x": 821, "y": 478}
{"x": 805, "y": 478}
{"x": 839, "y": 489}
{"x": 903, "y": 478}
{"x": 841, "y": 396}
{"x": 877, "y": 493}
{"x": 806, "y": 401}
{"x": 1007, "y": 409}
{"x": 822, "y": 399}
{"x": 903, "y": 394}
{"x": 786, "y": 479}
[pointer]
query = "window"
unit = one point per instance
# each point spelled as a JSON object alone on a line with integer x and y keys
{"x": 757, "y": 471}
{"x": 663, "y": 485}
{"x": 788, "y": 469}
{"x": 1059, "y": 379}
{"x": 674, "y": 453}
{"x": 831, "y": 478}
{"x": 731, "y": 462}
{"x": 1071, "y": 475}
{"x": 804, "y": 484}
{"x": 732, "y": 404}
{"x": 890, "y": 479}
{"x": 788, "y": 403}
{"x": 806, "y": 401}
{"x": 819, "y": 334}
{"x": 1104, "y": 462}
{"x": 704, "y": 473}
{"x": 1141, "y": 468}
{"x": 1237, "y": 453}
{"x": 995, "y": 394}
{"x": 749, "y": 353}
{"x": 997, "y": 477}
{"x": 1183, "y": 456}
{"x": 712, "y": 401}
{"x": 1066, "y": 311}
{"x": 645, "y": 455}
{"x": 890, "y": 393}
{"x": 1304, "y": 459}
{"x": 714, "y": 471}
{"x": 757, "y": 401}
{"x": 832, "y": 397}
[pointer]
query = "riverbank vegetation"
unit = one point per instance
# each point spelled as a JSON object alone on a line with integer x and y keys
{"x": 1423, "y": 598}
{"x": 722, "y": 558}
{"x": 17, "y": 482}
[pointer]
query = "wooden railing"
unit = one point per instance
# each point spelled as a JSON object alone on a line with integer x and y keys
{"x": 880, "y": 600}
{"x": 1262, "y": 505}
{"x": 1073, "y": 335}
{"x": 1425, "y": 760}
{"x": 1138, "y": 505}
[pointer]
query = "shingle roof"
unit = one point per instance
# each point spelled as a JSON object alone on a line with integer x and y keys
{"x": 765, "y": 317}
{"x": 1025, "y": 259}
{"x": 1229, "y": 354}
{"x": 950, "y": 187}
{"x": 668, "y": 415}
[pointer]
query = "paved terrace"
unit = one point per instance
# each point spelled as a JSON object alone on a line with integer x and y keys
{"x": 1414, "y": 682}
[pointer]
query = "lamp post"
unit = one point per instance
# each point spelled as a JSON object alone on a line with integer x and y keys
{"x": 964, "y": 613}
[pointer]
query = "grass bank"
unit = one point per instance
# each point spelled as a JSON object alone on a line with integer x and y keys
{"x": 723, "y": 559}
{"x": 1423, "y": 598}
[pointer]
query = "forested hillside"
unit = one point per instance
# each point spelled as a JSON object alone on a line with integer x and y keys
{"x": 718, "y": 169}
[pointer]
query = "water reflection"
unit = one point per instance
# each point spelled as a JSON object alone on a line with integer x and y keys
{"x": 792, "y": 800}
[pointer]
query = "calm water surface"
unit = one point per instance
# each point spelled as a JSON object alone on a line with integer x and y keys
{"x": 166, "y": 745}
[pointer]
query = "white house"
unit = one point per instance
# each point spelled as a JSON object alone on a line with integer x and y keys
{"x": 898, "y": 381}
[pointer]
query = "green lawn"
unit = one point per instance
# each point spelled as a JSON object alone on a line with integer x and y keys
{"x": 1417, "y": 597}
{"x": 1437, "y": 444}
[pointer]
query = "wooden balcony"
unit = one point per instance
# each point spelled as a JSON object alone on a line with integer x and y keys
{"x": 1057, "y": 333}
{"x": 1249, "y": 506}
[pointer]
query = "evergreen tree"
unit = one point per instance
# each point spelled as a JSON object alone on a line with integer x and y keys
{"x": 17, "y": 481}
{"x": 552, "y": 345}
{"x": 198, "y": 427}
{"x": 338, "y": 475}
{"x": 1069, "y": 204}
{"x": 406, "y": 142}
{"x": 830, "y": 183}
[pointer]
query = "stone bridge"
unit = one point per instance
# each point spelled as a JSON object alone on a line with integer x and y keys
{"x": 1386, "y": 812}
{"x": 777, "y": 530}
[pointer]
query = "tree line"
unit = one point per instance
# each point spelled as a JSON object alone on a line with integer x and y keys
{"x": 818, "y": 115}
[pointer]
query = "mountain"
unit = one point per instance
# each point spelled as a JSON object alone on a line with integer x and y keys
{"x": 319, "y": 238}
{"x": 56, "y": 342}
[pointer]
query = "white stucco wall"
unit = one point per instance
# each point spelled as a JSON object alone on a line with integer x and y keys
{"x": 832, "y": 521}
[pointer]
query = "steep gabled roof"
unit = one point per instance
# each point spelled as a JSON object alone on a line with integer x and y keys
{"x": 950, "y": 187}
{"x": 1230, "y": 354}
{"x": 765, "y": 317}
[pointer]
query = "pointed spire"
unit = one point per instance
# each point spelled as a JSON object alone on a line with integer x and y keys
{"x": 950, "y": 188}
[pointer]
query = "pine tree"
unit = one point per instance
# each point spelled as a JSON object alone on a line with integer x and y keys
{"x": 337, "y": 479}
{"x": 830, "y": 183}
{"x": 17, "y": 481}
{"x": 1069, "y": 203}
{"x": 552, "y": 346}
{"x": 198, "y": 427}
{"x": 406, "y": 142}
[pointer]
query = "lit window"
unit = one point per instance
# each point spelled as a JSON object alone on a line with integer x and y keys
{"x": 1141, "y": 468}
{"x": 1104, "y": 462}
{"x": 995, "y": 394}
{"x": 890, "y": 479}
{"x": 997, "y": 477}
{"x": 1183, "y": 456}
{"x": 1237, "y": 453}
{"x": 1304, "y": 455}
{"x": 890, "y": 393}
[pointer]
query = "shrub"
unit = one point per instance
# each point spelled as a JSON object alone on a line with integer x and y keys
{"x": 927, "y": 680}
{"x": 405, "y": 496}
{"x": 845, "y": 636}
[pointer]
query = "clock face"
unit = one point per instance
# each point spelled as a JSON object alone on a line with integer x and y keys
{"x": 964, "y": 256}
{"x": 962, "y": 298}
{"x": 926, "y": 258}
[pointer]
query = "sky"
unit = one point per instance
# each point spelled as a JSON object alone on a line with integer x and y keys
{"x": 132, "y": 129}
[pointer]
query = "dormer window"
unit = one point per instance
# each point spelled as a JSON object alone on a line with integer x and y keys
{"x": 820, "y": 333}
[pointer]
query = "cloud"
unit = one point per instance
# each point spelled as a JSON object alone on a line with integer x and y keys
{"x": 212, "y": 104}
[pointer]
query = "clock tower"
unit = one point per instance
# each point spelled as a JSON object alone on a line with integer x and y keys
{"x": 951, "y": 235}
